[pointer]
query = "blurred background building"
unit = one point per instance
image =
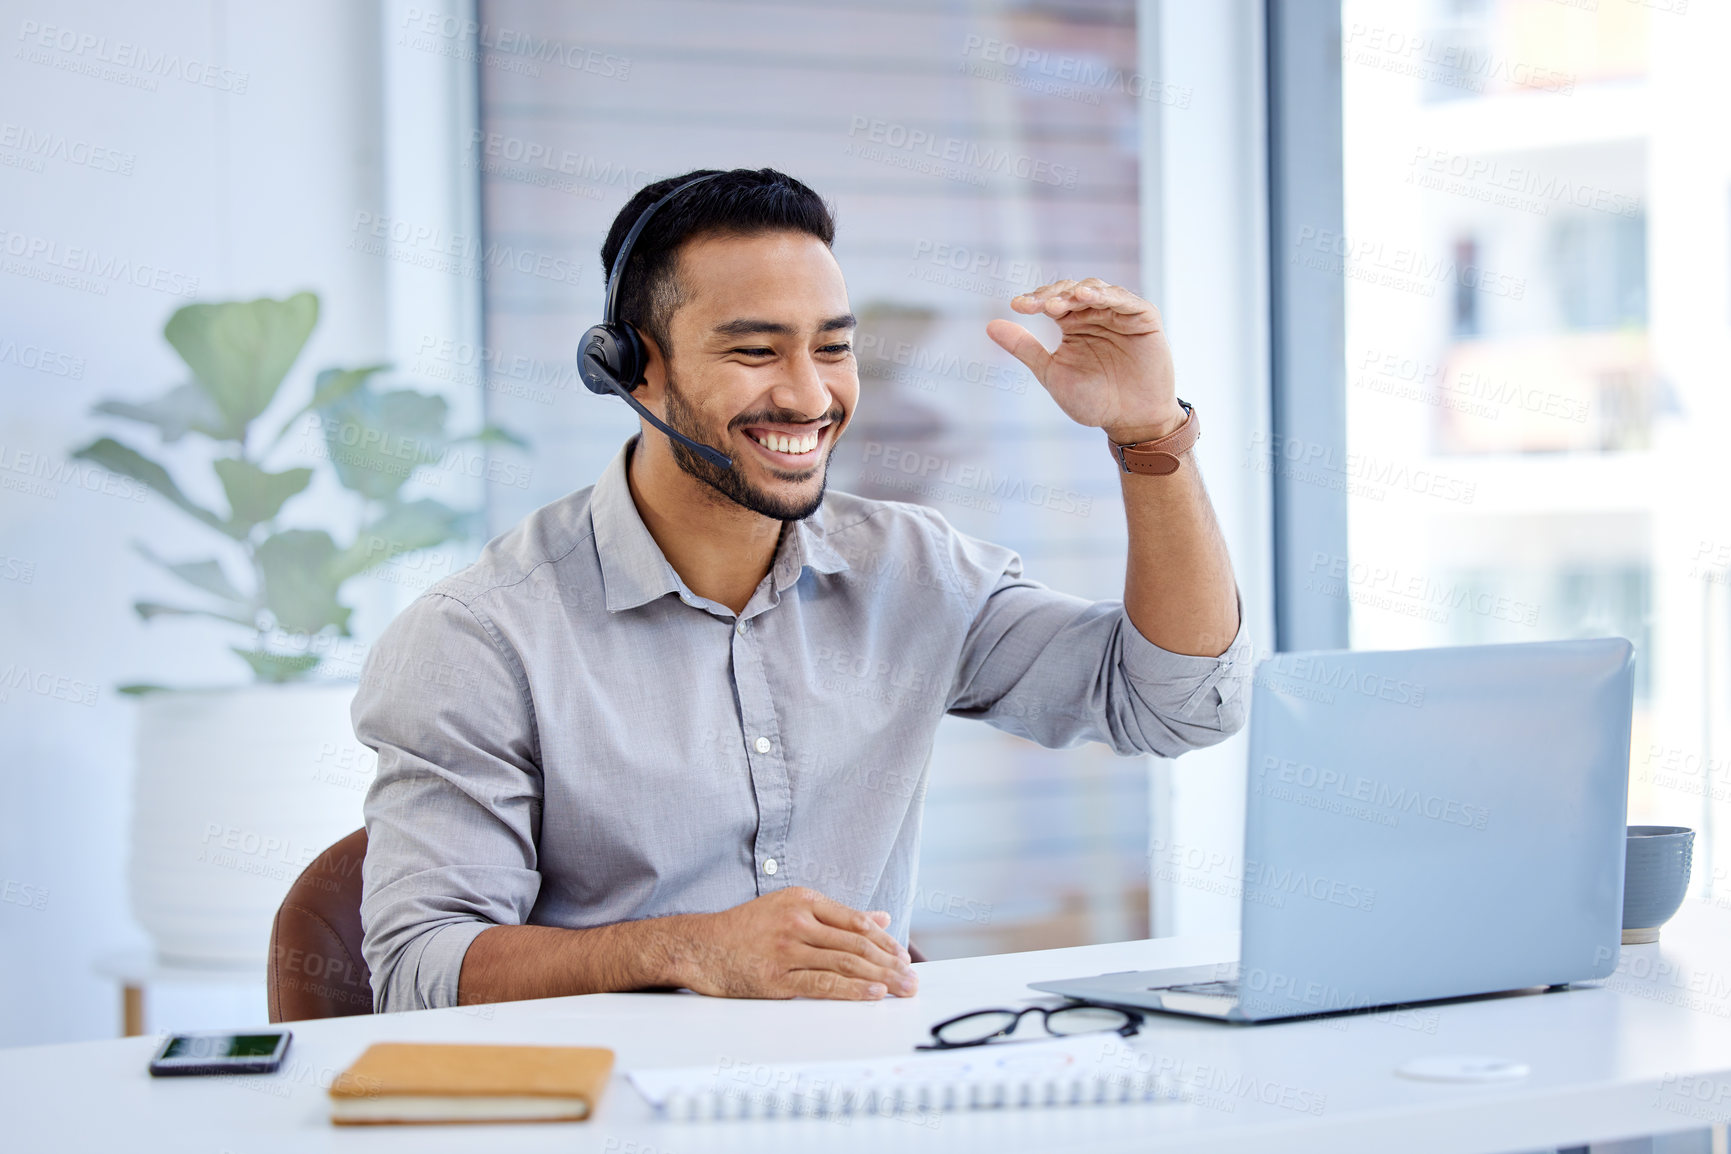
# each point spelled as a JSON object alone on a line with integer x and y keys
{"x": 1536, "y": 258}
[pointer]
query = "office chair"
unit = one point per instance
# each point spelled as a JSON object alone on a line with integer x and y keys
{"x": 316, "y": 968}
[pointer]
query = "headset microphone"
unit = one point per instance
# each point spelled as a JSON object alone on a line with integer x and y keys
{"x": 611, "y": 358}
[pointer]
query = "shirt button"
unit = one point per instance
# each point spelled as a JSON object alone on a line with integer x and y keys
{"x": 763, "y": 747}
{"x": 740, "y": 629}
{"x": 769, "y": 866}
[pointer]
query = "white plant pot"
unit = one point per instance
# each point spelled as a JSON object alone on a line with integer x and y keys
{"x": 236, "y": 791}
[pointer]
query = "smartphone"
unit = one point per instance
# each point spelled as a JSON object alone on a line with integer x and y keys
{"x": 220, "y": 1052}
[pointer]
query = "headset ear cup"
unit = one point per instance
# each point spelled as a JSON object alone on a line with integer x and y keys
{"x": 600, "y": 359}
{"x": 614, "y": 350}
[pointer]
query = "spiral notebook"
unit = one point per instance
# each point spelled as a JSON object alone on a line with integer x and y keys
{"x": 1016, "y": 1075}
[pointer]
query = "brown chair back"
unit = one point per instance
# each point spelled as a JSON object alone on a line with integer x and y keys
{"x": 316, "y": 968}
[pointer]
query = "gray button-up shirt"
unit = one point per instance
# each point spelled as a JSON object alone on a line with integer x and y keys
{"x": 568, "y": 736}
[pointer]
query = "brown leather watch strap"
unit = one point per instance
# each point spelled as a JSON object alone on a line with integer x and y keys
{"x": 1161, "y": 457}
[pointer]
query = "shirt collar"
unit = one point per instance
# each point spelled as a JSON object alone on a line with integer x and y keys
{"x": 806, "y": 543}
{"x": 635, "y": 572}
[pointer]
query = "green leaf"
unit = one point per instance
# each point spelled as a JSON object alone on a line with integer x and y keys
{"x": 239, "y": 351}
{"x": 278, "y": 667}
{"x": 255, "y": 496}
{"x": 150, "y": 610}
{"x": 140, "y": 688}
{"x": 183, "y": 409}
{"x": 494, "y": 435}
{"x": 117, "y": 458}
{"x": 402, "y": 528}
{"x": 377, "y": 440}
{"x": 206, "y": 575}
{"x": 300, "y": 583}
{"x": 335, "y": 384}
{"x": 331, "y": 386}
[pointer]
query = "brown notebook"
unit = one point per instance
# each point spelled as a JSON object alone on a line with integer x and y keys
{"x": 433, "y": 1082}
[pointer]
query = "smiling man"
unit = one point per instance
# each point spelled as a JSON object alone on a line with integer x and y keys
{"x": 614, "y": 754}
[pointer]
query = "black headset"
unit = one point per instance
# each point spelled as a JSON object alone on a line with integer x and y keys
{"x": 611, "y": 358}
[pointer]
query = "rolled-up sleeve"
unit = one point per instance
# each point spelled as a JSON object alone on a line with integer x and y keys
{"x": 453, "y": 816}
{"x": 1060, "y": 670}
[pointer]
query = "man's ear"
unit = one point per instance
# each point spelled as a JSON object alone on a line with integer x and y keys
{"x": 652, "y": 391}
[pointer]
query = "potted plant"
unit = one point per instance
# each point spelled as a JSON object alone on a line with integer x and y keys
{"x": 238, "y": 787}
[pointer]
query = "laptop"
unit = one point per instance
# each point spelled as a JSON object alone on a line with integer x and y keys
{"x": 1419, "y": 825}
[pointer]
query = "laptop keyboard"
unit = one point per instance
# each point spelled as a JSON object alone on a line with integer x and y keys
{"x": 1226, "y": 989}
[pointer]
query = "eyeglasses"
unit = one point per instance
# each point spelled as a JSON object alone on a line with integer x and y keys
{"x": 977, "y": 1027}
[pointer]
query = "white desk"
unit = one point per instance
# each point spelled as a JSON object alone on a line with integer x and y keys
{"x": 1607, "y": 1062}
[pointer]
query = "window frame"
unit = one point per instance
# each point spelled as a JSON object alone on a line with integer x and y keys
{"x": 1307, "y": 313}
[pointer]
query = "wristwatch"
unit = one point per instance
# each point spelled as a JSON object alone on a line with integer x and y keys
{"x": 1163, "y": 456}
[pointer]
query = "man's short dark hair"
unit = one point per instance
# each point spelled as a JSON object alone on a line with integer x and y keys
{"x": 739, "y": 202}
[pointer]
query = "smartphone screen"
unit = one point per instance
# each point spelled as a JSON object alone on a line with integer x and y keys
{"x": 221, "y": 1053}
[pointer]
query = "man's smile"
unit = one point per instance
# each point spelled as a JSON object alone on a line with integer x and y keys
{"x": 788, "y": 445}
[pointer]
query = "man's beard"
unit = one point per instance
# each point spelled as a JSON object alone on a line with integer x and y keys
{"x": 731, "y": 483}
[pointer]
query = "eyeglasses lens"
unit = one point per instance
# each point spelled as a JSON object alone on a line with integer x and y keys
{"x": 1086, "y": 1020}
{"x": 975, "y": 1027}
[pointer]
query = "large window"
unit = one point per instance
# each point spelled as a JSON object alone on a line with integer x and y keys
{"x": 1536, "y": 260}
{"x": 972, "y": 151}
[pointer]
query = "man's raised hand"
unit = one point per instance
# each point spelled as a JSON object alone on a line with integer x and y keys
{"x": 1112, "y": 368}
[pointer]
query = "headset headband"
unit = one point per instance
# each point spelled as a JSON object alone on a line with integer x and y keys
{"x": 609, "y": 314}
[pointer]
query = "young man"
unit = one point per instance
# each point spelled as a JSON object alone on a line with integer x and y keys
{"x": 610, "y": 756}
